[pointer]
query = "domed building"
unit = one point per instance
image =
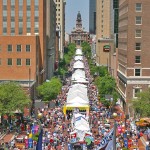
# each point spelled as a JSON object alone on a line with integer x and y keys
{"x": 78, "y": 35}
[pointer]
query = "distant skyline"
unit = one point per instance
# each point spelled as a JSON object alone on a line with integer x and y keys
{"x": 72, "y": 8}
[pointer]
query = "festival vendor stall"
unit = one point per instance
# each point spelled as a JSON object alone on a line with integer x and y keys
{"x": 78, "y": 65}
{"x": 76, "y": 58}
{"x": 78, "y": 52}
{"x": 78, "y": 105}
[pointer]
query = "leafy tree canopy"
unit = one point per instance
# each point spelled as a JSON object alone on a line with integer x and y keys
{"x": 12, "y": 98}
{"x": 86, "y": 48}
{"x": 141, "y": 104}
{"x": 106, "y": 85}
{"x": 49, "y": 90}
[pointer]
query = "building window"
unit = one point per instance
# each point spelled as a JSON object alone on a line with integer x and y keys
{"x": 138, "y": 59}
{"x": 135, "y": 92}
{"x": 9, "y": 48}
{"x": 18, "y": 48}
{"x": 137, "y": 72}
{"x": 27, "y": 48}
{"x": 0, "y": 48}
{"x": 0, "y": 61}
{"x": 28, "y": 62}
{"x": 138, "y": 7}
{"x": 137, "y": 46}
{"x": 9, "y": 61}
{"x": 18, "y": 61}
{"x": 138, "y": 33}
{"x": 138, "y": 20}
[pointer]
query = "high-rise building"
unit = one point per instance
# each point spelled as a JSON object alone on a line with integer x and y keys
{"x": 60, "y": 22}
{"x": 92, "y": 16}
{"x": 133, "y": 49}
{"x": 103, "y": 32}
{"x": 25, "y": 41}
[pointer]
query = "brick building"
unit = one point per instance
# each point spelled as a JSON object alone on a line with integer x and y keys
{"x": 133, "y": 49}
{"x": 25, "y": 41}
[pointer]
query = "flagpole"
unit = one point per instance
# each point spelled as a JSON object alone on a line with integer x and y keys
{"x": 114, "y": 137}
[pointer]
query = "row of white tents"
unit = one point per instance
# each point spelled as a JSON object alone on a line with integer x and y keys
{"x": 77, "y": 98}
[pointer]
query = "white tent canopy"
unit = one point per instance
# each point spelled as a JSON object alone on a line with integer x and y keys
{"x": 78, "y": 85}
{"x": 78, "y": 64}
{"x": 76, "y": 96}
{"x": 81, "y": 80}
{"x": 78, "y": 74}
{"x": 78, "y": 58}
{"x": 78, "y": 52}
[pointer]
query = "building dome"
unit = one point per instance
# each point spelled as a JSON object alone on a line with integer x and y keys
{"x": 78, "y": 16}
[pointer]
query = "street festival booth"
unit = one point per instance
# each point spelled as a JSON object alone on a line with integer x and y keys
{"x": 78, "y": 52}
{"x": 78, "y": 65}
{"x": 81, "y": 129}
{"x": 76, "y": 58}
{"x": 77, "y": 99}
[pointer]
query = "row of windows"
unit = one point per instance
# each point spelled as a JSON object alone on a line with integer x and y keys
{"x": 18, "y": 62}
{"x": 18, "y": 48}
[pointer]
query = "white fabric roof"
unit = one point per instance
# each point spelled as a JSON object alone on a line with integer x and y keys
{"x": 78, "y": 85}
{"x": 78, "y": 64}
{"x": 77, "y": 97}
{"x": 78, "y": 52}
{"x": 76, "y": 104}
{"x": 81, "y": 124}
{"x": 81, "y": 80}
{"x": 78, "y": 74}
{"x": 78, "y": 58}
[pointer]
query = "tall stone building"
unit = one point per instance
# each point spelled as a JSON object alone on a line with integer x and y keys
{"x": 78, "y": 35}
{"x": 133, "y": 49}
{"x": 92, "y": 16}
{"x": 60, "y": 22}
{"x": 104, "y": 42}
{"x": 26, "y": 33}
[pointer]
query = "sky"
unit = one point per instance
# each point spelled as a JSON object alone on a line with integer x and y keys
{"x": 72, "y": 8}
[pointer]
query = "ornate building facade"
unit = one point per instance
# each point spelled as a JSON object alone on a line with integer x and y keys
{"x": 78, "y": 35}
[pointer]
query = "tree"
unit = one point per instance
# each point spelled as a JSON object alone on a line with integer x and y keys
{"x": 86, "y": 48}
{"x": 49, "y": 90}
{"x": 12, "y": 98}
{"x": 106, "y": 86}
{"x": 141, "y": 104}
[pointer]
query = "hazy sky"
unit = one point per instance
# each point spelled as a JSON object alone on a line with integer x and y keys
{"x": 72, "y": 8}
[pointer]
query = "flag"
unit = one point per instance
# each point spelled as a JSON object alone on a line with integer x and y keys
{"x": 110, "y": 145}
{"x": 105, "y": 140}
{"x": 39, "y": 142}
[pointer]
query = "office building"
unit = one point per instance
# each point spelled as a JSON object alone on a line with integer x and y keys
{"x": 60, "y": 22}
{"x": 104, "y": 42}
{"x": 92, "y": 16}
{"x": 133, "y": 49}
{"x": 25, "y": 41}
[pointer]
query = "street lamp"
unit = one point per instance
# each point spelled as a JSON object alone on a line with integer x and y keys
{"x": 115, "y": 127}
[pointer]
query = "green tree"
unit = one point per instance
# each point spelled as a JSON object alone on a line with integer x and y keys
{"x": 49, "y": 90}
{"x": 141, "y": 104}
{"x": 86, "y": 48}
{"x": 106, "y": 86}
{"x": 12, "y": 98}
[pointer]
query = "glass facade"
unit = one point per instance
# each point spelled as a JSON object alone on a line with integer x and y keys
{"x": 20, "y": 17}
{"x": 92, "y": 16}
{"x": 28, "y": 25}
{"x": 36, "y": 16}
{"x": 12, "y": 17}
{"x": 4, "y": 17}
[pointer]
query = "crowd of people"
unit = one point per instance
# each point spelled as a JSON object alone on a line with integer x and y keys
{"x": 57, "y": 126}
